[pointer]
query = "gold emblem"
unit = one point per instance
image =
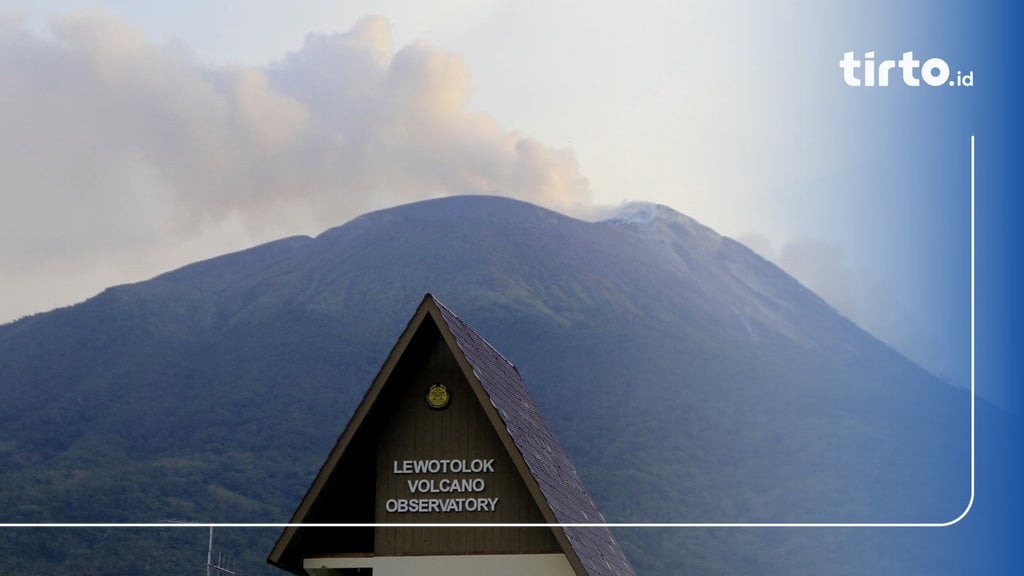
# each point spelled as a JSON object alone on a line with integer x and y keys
{"x": 437, "y": 396}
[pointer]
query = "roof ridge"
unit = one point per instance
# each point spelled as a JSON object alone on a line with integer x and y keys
{"x": 446, "y": 311}
{"x": 546, "y": 460}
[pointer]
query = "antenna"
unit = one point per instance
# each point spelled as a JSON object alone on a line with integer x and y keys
{"x": 217, "y": 569}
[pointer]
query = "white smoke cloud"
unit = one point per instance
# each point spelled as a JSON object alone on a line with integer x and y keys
{"x": 121, "y": 158}
{"x": 402, "y": 131}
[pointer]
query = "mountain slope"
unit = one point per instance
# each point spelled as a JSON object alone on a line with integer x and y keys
{"x": 689, "y": 379}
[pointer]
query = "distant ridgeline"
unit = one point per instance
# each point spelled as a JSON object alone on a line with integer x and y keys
{"x": 689, "y": 379}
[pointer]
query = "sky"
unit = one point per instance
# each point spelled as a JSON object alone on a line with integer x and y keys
{"x": 139, "y": 137}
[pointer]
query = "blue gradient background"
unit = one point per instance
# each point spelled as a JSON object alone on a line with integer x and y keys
{"x": 912, "y": 153}
{"x": 899, "y": 197}
{"x": 994, "y": 523}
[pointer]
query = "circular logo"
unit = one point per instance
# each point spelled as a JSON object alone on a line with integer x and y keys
{"x": 437, "y": 396}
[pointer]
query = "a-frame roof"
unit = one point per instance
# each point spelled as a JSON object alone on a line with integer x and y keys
{"x": 539, "y": 458}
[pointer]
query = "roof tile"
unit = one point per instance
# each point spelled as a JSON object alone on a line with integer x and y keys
{"x": 561, "y": 486}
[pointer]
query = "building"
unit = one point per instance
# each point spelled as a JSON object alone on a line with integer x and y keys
{"x": 448, "y": 434}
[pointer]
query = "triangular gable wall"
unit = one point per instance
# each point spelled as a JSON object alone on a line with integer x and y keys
{"x": 545, "y": 487}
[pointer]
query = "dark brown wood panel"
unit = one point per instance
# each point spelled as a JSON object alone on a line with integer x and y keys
{"x": 408, "y": 429}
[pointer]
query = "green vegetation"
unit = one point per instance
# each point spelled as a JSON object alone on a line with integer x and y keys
{"x": 691, "y": 383}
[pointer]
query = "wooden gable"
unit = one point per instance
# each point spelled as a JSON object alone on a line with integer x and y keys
{"x": 406, "y": 459}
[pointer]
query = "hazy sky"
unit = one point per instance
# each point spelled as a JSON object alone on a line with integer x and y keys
{"x": 138, "y": 137}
